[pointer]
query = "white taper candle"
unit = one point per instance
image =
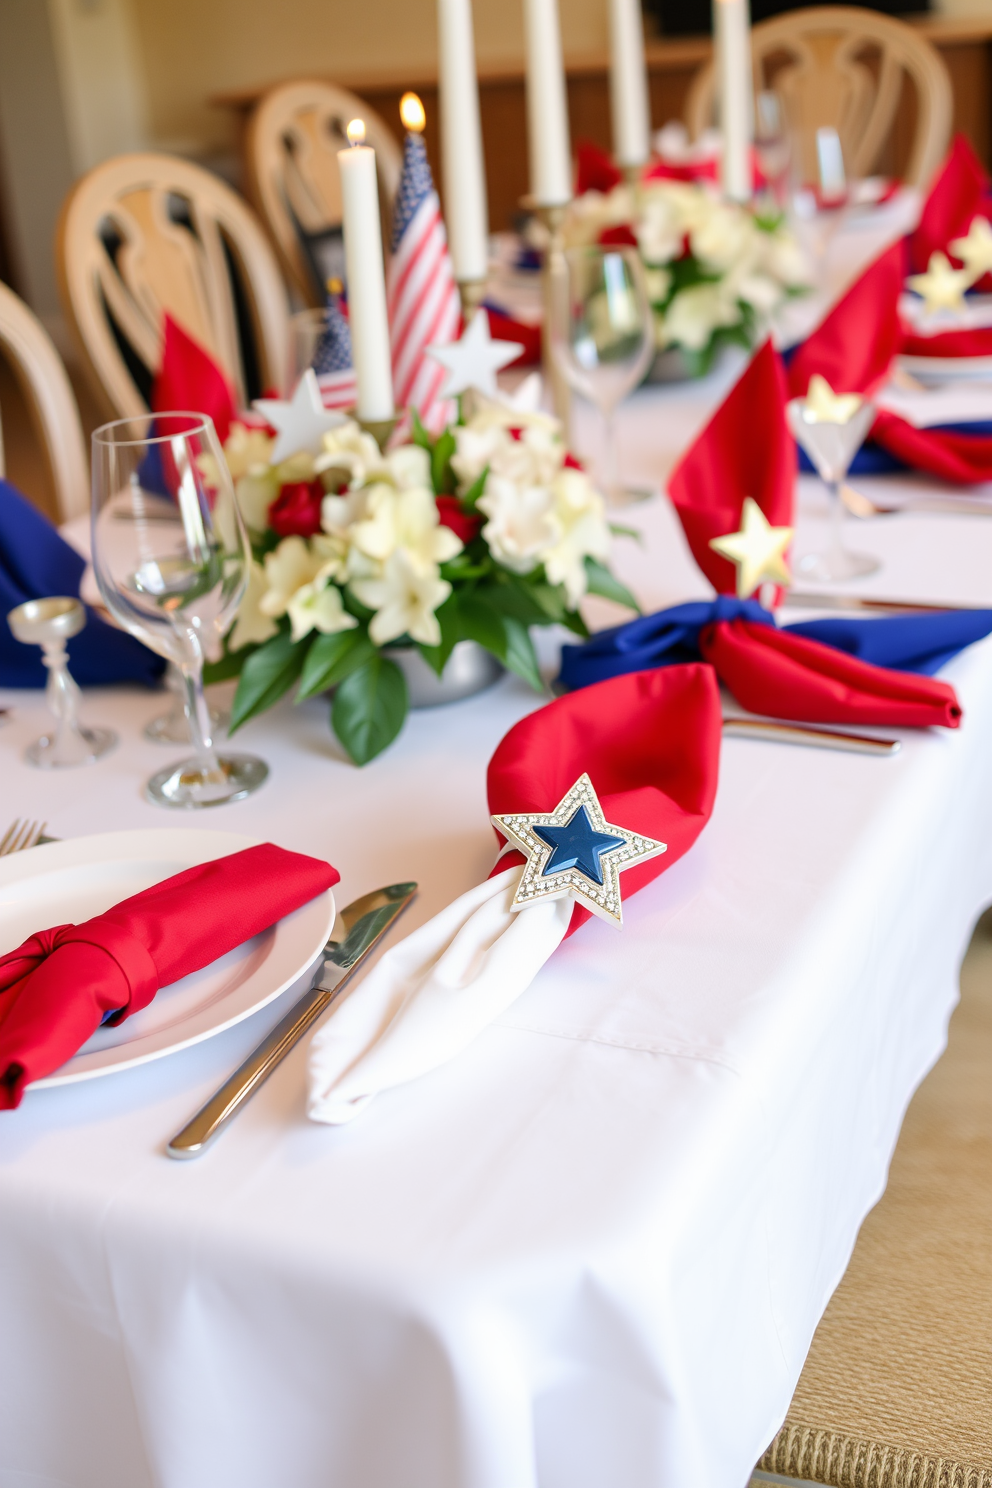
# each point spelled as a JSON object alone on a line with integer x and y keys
{"x": 463, "y": 172}
{"x": 629, "y": 106}
{"x": 367, "y": 314}
{"x": 735, "y": 90}
{"x": 547, "y": 107}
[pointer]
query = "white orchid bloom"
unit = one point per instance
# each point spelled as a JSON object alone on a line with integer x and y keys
{"x": 726, "y": 238}
{"x": 246, "y": 450}
{"x": 522, "y": 526}
{"x": 784, "y": 259}
{"x": 318, "y": 606}
{"x": 695, "y": 313}
{"x": 660, "y": 228}
{"x": 293, "y": 564}
{"x": 404, "y": 598}
{"x": 580, "y": 512}
{"x": 349, "y": 449}
{"x": 409, "y": 467}
{"x": 406, "y": 519}
{"x": 256, "y": 492}
{"x": 252, "y": 623}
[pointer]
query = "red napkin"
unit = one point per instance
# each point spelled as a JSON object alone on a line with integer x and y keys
{"x": 853, "y": 349}
{"x": 190, "y": 380}
{"x": 57, "y": 986}
{"x": 973, "y": 343}
{"x": 745, "y": 450}
{"x": 650, "y": 744}
{"x": 959, "y": 194}
{"x": 782, "y": 675}
{"x": 503, "y": 327}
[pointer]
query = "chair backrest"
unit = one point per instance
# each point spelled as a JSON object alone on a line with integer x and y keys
{"x": 144, "y": 234}
{"x": 51, "y": 403}
{"x": 842, "y": 66}
{"x": 292, "y": 178}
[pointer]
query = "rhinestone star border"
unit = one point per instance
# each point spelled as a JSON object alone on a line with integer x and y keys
{"x": 534, "y": 887}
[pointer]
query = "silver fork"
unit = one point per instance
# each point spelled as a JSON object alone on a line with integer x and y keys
{"x": 21, "y": 834}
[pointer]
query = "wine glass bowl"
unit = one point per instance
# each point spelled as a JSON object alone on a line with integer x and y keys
{"x": 602, "y": 334}
{"x": 171, "y": 560}
{"x": 831, "y": 445}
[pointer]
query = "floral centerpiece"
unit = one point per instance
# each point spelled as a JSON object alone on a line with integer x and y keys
{"x": 476, "y": 535}
{"x": 716, "y": 270}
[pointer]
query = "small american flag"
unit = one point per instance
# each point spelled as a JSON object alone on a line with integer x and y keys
{"x": 332, "y": 358}
{"x": 424, "y": 305}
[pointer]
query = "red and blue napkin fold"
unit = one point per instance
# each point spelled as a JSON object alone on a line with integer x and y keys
{"x": 745, "y": 450}
{"x": 650, "y": 744}
{"x": 820, "y": 671}
{"x": 36, "y": 563}
{"x": 960, "y": 192}
{"x": 58, "y": 986}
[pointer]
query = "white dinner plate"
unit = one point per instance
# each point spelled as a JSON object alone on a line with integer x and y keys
{"x": 947, "y": 369}
{"x": 66, "y": 882}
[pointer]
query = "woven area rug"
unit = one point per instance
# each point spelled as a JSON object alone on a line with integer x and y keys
{"x": 897, "y": 1389}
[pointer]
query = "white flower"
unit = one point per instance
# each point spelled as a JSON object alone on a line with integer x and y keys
{"x": 532, "y": 459}
{"x": 406, "y": 519}
{"x": 247, "y": 450}
{"x": 252, "y": 624}
{"x": 658, "y": 282}
{"x": 348, "y": 449}
{"x": 594, "y": 211}
{"x": 294, "y": 564}
{"x": 317, "y": 606}
{"x": 727, "y": 237}
{"x": 256, "y": 492}
{"x": 660, "y": 227}
{"x": 580, "y": 515}
{"x": 695, "y": 313}
{"x": 409, "y": 467}
{"x": 521, "y": 528}
{"x": 404, "y": 598}
{"x": 784, "y": 258}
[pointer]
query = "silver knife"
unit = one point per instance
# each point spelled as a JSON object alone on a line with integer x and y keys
{"x": 365, "y": 922}
{"x": 853, "y": 603}
{"x": 801, "y": 733}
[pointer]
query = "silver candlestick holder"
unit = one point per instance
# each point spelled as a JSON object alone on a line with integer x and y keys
{"x": 50, "y": 623}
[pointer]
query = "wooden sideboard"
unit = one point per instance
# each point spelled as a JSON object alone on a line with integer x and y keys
{"x": 964, "y": 44}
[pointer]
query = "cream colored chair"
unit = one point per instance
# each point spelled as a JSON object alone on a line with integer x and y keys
{"x": 845, "y": 67}
{"x": 45, "y": 387}
{"x": 144, "y": 234}
{"x": 293, "y": 137}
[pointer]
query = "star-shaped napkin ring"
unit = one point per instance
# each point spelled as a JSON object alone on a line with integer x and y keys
{"x": 758, "y": 550}
{"x": 942, "y": 286}
{"x": 975, "y": 251}
{"x": 574, "y": 852}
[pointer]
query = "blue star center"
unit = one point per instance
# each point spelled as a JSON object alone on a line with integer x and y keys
{"x": 577, "y": 845}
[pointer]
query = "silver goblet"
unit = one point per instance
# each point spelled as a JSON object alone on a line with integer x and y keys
{"x": 50, "y": 623}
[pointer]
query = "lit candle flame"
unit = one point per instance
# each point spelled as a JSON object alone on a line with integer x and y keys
{"x": 356, "y": 131}
{"x": 412, "y": 113}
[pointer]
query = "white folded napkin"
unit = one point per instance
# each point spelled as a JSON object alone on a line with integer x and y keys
{"x": 431, "y": 995}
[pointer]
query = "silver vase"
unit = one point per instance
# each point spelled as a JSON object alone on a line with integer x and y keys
{"x": 470, "y": 669}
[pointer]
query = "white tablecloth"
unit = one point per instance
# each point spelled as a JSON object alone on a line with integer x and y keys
{"x": 593, "y": 1250}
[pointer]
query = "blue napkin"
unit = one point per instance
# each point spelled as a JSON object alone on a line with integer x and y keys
{"x": 872, "y": 459}
{"x": 904, "y": 643}
{"x": 36, "y": 563}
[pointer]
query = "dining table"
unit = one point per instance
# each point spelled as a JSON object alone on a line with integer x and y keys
{"x": 593, "y": 1248}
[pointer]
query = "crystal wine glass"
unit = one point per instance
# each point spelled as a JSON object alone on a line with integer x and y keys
{"x": 50, "y": 624}
{"x": 602, "y": 337}
{"x": 831, "y": 432}
{"x": 174, "y": 584}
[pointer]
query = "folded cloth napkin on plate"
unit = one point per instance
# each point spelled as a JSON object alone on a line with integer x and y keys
{"x": 36, "y": 563}
{"x": 56, "y": 988}
{"x": 853, "y": 349}
{"x": 650, "y": 743}
{"x": 960, "y": 193}
{"x": 745, "y": 450}
{"x": 819, "y": 671}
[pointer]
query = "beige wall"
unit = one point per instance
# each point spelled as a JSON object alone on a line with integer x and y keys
{"x": 192, "y": 48}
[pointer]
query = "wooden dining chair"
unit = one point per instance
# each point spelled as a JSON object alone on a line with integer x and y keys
{"x": 291, "y": 169}
{"x": 842, "y": 66}
{"x": 144, "y": 234}
{"x": 46, "y": 393}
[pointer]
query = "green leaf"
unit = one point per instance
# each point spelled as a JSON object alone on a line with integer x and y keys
{"x": 228, "y": 666}
{"x": 605, "y": 584}
{"x": 331, "y": 658}
{"x": 447, "y": 616}
{"x": 441, "y": 473}
{"x": 475, "y": 490}
{"x": 369, "y": 708}
{"x": 266, "y": 675}
{"x": 618, "y": 530}
{"x": 478, "y": 621}
{"x": 520, "y": 656}
{"x": 420, "y": 435}
{"x": 516, "y": 599}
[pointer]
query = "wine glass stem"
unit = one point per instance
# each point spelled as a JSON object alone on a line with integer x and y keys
{"x": 198, "y": 717}
{"x": 611, "y": 480}
{"x": 836, "y": 519}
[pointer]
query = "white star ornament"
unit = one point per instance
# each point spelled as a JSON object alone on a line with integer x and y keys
{"x": 302, "y": 422}
{"x": 758, "y": 550}
{"x": 975, "y": 251}
{"x": 573, "y": 852}
{"x": 474, "y": 361}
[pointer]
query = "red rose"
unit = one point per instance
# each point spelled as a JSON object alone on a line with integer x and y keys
{"x": 462, "y": 523}
{"x": 571, "y": 463}
{"x": 621, "y": 235}
{"x": 296, "y": 510}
